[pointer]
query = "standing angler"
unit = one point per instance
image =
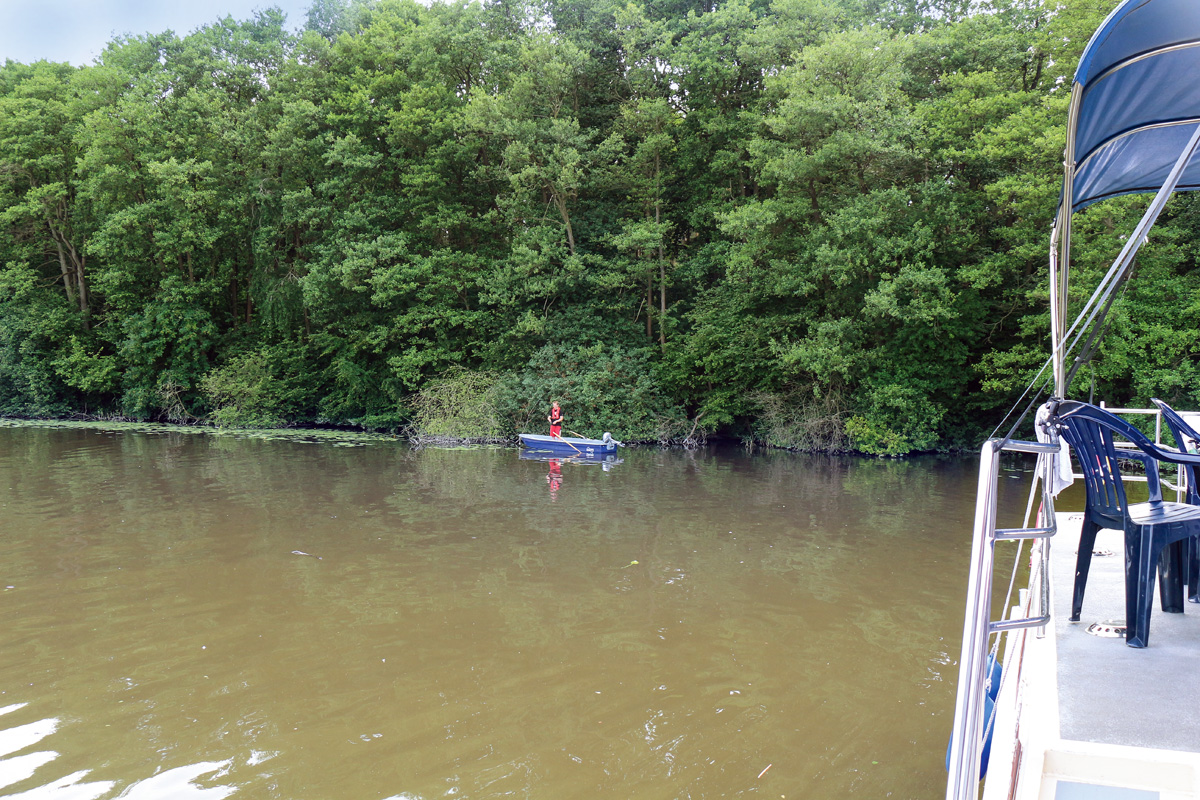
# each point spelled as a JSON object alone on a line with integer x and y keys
{"x": 556, "y": 420}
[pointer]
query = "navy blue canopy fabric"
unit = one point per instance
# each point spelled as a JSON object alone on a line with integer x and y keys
{"x": 1140, "y": 79}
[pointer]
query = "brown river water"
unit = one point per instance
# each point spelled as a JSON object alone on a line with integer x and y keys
{"x": 187, "y": 615}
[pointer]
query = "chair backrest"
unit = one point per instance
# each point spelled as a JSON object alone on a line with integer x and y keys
{"x": 1180, "y": 429}
{"x": 1090, "y": 431}
{"x": 1186, "y": 439}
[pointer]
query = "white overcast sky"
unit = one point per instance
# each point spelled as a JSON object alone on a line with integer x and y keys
{"x": 76, "y": 31}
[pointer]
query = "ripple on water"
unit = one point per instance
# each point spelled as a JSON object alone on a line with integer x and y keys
{"x": 23, "y": 774}
{"x": 29, "y": 773}
{"x": 181, "y": 782}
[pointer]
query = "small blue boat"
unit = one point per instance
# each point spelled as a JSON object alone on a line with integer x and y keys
{"x": 568, "y": 446}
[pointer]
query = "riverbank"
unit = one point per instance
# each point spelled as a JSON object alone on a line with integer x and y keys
{"x": 351, "y": 434}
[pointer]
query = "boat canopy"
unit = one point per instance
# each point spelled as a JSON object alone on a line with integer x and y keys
{"x": 1138, "y": 89}
{"x": 1133, "y": 126}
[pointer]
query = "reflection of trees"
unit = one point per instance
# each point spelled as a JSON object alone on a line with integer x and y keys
{"x": 449, "y": 606}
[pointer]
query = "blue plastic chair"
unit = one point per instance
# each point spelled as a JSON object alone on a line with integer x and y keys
{"x": 1150, "y": 528}
{"x": 1186, "y": 439}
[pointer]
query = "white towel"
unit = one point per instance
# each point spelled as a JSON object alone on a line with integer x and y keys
{"x": 1060, "y": 463}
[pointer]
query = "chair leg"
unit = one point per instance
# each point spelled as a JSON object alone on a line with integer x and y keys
{"x": 1142, "y": 551}
{"x": 1192, "y": 561}
{"x": 1083, "y": 562}
{"x": 1171, "y": 577}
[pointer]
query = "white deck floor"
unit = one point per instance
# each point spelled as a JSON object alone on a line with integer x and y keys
{"x": 1109, "y": 692}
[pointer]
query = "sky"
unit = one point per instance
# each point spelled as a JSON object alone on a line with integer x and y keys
{"x": 76, "y": 31}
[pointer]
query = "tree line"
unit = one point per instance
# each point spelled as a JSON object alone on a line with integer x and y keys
{"x": 818, "y": 224}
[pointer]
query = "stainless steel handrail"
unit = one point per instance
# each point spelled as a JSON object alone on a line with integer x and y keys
{"x": 966, "y": 740}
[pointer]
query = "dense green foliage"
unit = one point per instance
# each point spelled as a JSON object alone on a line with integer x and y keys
{"x": 821, "y": 223}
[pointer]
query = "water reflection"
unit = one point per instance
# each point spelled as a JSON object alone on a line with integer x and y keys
{"x": 554, "y": 477}
{"x": 200, "y": 617}
{"x": 38, "y": 774}
{"x": 555, "y": 464}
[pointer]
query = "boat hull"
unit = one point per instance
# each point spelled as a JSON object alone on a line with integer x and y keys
{"x": 567, "y": 446}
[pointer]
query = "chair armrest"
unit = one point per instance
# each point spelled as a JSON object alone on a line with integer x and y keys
{"x": 1153, "y": 482}
{"x": 1170, "y": 455}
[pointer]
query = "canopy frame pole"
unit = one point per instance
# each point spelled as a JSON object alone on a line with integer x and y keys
{"x": 1121, "y": 265}
{"x": 1116, "y": 273}
{"x": 1060, "y": 255}
{"x": 1056, "y": 336}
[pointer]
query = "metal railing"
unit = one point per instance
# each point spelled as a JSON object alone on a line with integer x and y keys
{"x": 970, "y": 727}
{"x": 966, "y": 740}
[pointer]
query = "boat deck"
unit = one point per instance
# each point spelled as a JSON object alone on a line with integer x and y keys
{"x": 1111, "y": 693}
{"x": 1096, "y": 719}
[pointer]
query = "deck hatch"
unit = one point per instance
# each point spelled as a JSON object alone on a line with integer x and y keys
{"x": 1070, "y": 790}
{"x": 1109, "y": 629}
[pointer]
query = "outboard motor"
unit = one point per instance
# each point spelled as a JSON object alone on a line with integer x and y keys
{"x": 607, "y": 439}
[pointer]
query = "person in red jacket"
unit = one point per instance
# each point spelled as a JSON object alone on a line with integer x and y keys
{"x": 555, "y": 419}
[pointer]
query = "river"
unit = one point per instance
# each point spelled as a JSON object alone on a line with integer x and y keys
{"x": 187, "y": 615}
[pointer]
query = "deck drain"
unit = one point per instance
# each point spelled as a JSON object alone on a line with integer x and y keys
{"x": 1110, "y": 629}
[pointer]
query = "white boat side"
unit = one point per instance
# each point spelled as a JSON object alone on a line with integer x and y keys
{"x": 1084, "y": 716}
{"x": 1078, "y": 716}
